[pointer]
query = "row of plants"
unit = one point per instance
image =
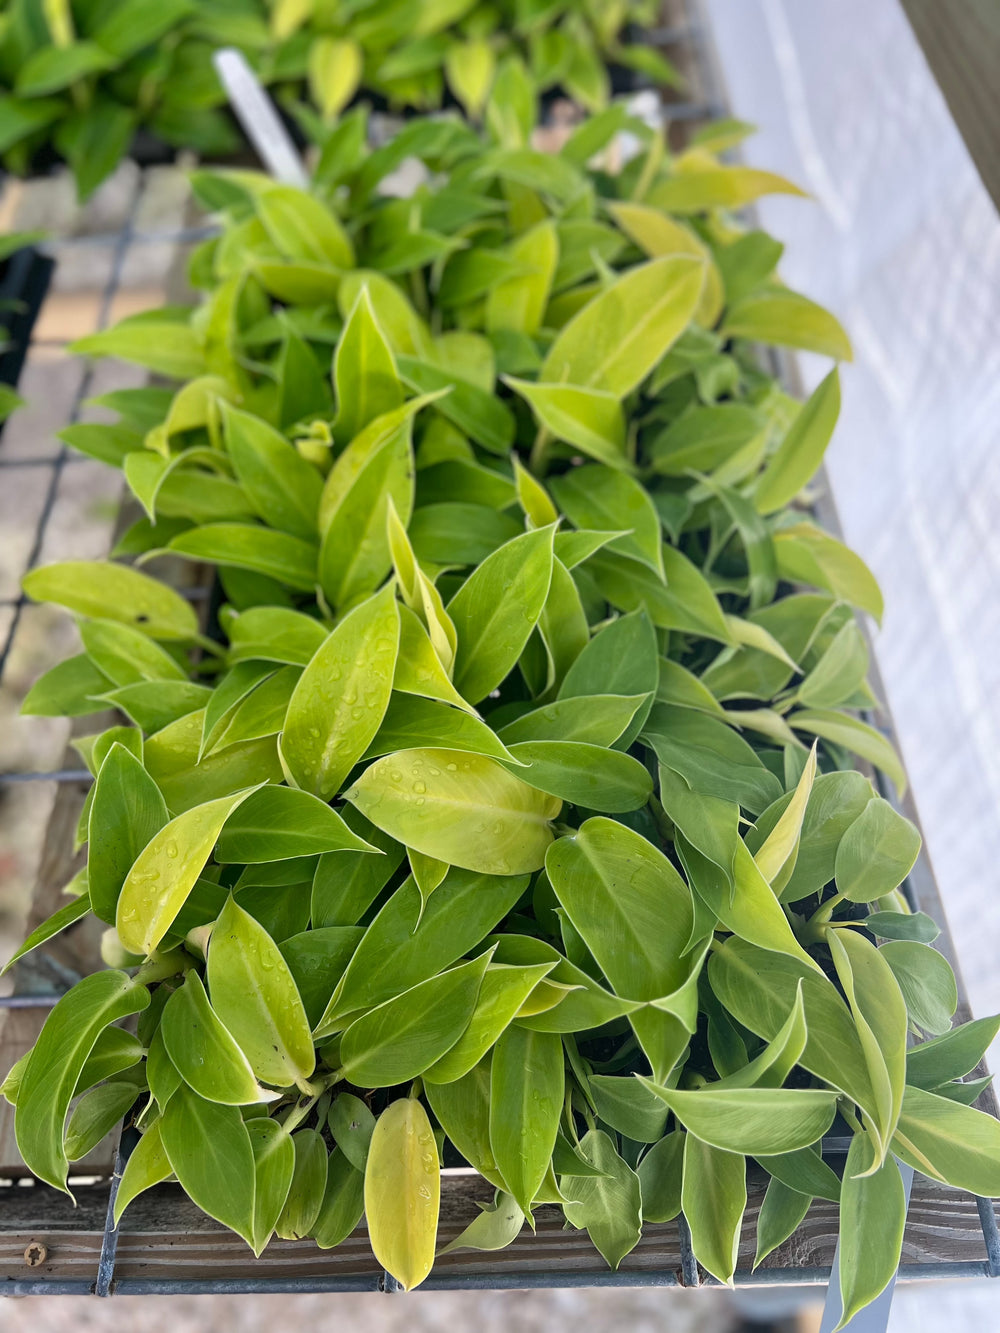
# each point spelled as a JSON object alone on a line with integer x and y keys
{"x": 506, "y": 811}
{"x": 82, "y": 78}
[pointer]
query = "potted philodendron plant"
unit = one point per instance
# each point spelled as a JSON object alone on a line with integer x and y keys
{"x": 81, "y": 80}
{"x": 508, "y": 809}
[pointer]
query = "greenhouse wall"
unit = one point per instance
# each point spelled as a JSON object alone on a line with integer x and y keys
{"x": 905, "y": 246}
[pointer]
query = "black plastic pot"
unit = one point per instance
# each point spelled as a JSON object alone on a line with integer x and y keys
{"x": 24, "y": 280}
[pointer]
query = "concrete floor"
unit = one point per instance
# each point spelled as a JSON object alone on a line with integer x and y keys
{"x": 596, "y": 1311}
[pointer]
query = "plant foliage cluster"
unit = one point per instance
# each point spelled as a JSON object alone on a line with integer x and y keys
{"x": 508, "y": 813}
{"x": 82, "y": 76}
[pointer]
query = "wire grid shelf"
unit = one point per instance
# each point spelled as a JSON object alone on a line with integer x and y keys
{"x": 685, "y": 38}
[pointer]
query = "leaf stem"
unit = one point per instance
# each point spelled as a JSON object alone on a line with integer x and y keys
{"x": 812, "y": 931}
{"x": 298, "y": 1113}
{"x": 160, "y": 966}
{"x": 848, "y": 1115}
{"x": 313, "y": 1091}
{"x": 209, "y": 645}
{"x": 539, "y": 452}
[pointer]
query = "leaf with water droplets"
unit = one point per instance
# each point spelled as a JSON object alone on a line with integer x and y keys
{"x": 255, "y": 996}
{"x": 341, "y": 697}
{"x": 165, "y": 872}
{"x": 204, "y": 1051}
{"x": 461, "y": 808}
{"x": 403, "y": 1192}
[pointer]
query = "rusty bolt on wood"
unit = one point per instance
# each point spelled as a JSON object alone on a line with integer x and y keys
{"x": 36, "y": 1253}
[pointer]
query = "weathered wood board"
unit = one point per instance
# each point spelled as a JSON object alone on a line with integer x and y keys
{"x": 165, "y": 1238}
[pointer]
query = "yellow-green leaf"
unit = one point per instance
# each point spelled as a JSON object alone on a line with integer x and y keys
{"x": 880, "y": 1017}
{"x": 948, "y": 1142}
{"x": 209, "y": 1151}
{"x": 114, "y": 592}
{"x": 165, "y": 872}
{"x": 776, "y": 857}
{"x": 503, "y": 991}
{"x": 364, "y": 372}
{"x": 698, "y": 187}
{"x": 714, "y": 1197}
{"x": 303, "y": 228}
{"x": 204, "y": 1051}
{"x": 335, "y": 65}
{"x": 752, "y": 1120}
{"x": 402, "y": 1038}
{"x": 788, "y": 319}
{"x": 618, "y": 337}
{"x": 806, "y": 554}
{"x": 519, "y": 302}
{"x": 591, "y": 419}
{"x": 457, "y": 807}
{"x": 496, "y": 609}
{"x": 854, "y": 735}
{"x": 341, "y": 697}
{"x": 255, "y": 996}
{"x": 147, "y": 1166}
{"x": 525, "y": 1104}
{"x": 876, "y": 853}
{"x": 872, "y": 1218}
{"x": 801, "y": 451}
{"x": 403, "y": 1192}
{"x": 49, "y": 1078}
{"x": 469, "y": 67}
{"x": 274, "y": 1167}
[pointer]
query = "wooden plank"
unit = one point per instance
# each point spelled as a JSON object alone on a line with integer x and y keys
{"x": 76, "y": 951}
{"x": 165, "y": 1237}
{"x": 961, "y": 43}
